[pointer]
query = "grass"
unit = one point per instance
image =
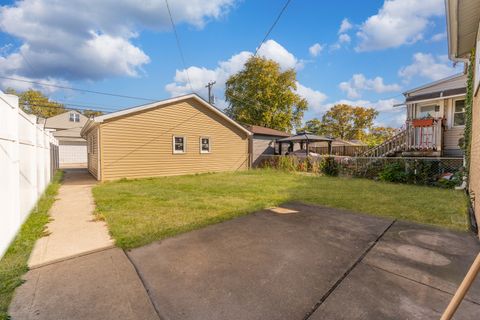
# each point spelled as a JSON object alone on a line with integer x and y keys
{"x": 144, "y": 210}
{"x": 14, "y": 263}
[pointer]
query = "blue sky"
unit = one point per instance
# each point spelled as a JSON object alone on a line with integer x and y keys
{"x": 359, "y": 52}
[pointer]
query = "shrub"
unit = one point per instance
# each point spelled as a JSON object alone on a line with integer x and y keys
{"x": 286, "y": 163}
{"x": 394, "y": 172}
{"x": 330, "y": 167}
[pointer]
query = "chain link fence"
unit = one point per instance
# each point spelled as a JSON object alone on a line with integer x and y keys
{"x": 441, "y": 172}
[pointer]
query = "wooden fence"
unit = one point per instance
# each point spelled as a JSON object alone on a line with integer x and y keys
{"x": 350, "y": 151}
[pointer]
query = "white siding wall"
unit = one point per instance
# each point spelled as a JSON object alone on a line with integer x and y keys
{"x": 28, "y": 158}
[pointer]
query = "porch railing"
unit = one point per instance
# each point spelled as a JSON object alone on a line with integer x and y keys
{"x": 418, "y": 135}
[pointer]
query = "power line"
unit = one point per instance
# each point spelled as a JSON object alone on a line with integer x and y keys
{"x": 273, "y": 25}
{"x": 182, "y": 57}
{"x": 78, "y": 89}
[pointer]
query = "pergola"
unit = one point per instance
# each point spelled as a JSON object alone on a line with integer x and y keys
{"x": 304, "y": 139}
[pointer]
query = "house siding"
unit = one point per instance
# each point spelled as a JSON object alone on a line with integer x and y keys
{"x": 458, "y": 82}
{"x": 451, "y": 136}
{"x": 474, "y": 179}
{"x": 140, "y": 145}
{"x": 93, "y": 152}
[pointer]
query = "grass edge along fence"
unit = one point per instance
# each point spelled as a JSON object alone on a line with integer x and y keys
{"x": 440, "y": 172}
{"x": 14, "y": 263}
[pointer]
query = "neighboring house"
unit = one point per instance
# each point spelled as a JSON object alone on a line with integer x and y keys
{"x": 66, "y": 129}
{"x": 463, "y": 26}
{"x": 182, "y": 135}
{"x": 435, "y": 121}
{"x": 263, "y": 141}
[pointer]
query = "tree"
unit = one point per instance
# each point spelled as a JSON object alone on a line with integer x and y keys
{"x": 92, "y": 113}
{"x": 347, "y": 122}
{"x": 262, "y": 94}
{"x": 35, "y": 102}
{"x": 378, "y": 135}
{"x": 314, "y": 126}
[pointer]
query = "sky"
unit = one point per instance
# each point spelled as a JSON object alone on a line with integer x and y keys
{"x": 364, "y": 53}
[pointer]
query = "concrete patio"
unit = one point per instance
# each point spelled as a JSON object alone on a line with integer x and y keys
{"x": 307, "y": 262}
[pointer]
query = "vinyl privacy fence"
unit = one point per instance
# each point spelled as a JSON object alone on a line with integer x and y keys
{"x": 28, "y": 160}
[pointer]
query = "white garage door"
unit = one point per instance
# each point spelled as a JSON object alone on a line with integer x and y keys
{"x": 73, "y": 152}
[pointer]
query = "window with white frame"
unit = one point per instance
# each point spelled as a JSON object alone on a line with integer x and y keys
{"x": 74, "y": 117}
{"x": 459, "y": 113}
{"x": 204, "y": 145}
{"x": 179, "y": 144}
{"x": 429, "y": 111}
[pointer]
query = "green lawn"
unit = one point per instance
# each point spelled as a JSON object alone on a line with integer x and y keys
{"x": 14, "y": 263}
{"x": 144, "y": 210}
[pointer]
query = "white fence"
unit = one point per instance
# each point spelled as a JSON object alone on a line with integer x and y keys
{"x": 28, "y": 160}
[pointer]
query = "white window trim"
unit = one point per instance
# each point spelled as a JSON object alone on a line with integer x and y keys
{"x": 453, "y": 112}
{"x": 184, "y": 144}
{"x": 209, "y": 144}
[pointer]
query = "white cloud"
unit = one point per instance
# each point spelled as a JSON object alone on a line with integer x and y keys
{"x": 273, "y": 50}
{"x": 315, "y": 98}
{"x": 315, "y": 49}
{"x": 428, "y": 66}
{"x": 88, "y": 39}
{"x": 199, "y": 76}
{"x": 359, "y": 82}
{"x": 398, "y": 22}
{"x": 344, "y": 38}
{"x": 345, "y": 26}
{"x": 438, "y": 37}
{"x": 335, "y": 46}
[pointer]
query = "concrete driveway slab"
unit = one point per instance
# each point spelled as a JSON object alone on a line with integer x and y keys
{"x": 369, "y": 293}
{"x": 102, "y": 285}
{"x": 261, "y": 266}
{"x": 433, "y": 256}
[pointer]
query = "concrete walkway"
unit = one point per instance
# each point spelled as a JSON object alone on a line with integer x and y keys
{"x": 72, "y": 231}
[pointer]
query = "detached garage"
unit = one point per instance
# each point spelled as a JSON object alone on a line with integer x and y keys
{"x": 182, "y": 135}
{"x": 66, "y": 129}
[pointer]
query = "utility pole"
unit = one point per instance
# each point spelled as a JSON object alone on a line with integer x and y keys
{"x": 210, "y": 93}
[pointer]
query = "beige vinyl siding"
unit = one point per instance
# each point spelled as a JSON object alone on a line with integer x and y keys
{"x": 451, "y": 137}
{"x": 93, "y": 152}
{"x": 474, "y": 174}
{"x": 457, "y": 82}
{"x": 140, "y": 144}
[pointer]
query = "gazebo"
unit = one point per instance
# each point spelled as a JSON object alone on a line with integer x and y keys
{"x": 304, "y": 139}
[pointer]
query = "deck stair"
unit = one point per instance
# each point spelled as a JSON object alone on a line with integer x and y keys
{"x": 390, "y": 147}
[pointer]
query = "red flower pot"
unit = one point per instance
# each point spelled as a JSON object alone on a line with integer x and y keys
{"x": 423, "y": 122}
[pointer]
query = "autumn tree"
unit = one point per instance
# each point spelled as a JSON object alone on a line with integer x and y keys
{"x": 377, "y": 135}
{"x": 35, "y": 102}
{"x": 262, "y": 94}
{"x": 347, "y": 122}
{"x": 92, "y": 113}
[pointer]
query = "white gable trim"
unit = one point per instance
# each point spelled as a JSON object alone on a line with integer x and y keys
{"x": 168, "y": 101}
{"x": 431, "y": 84}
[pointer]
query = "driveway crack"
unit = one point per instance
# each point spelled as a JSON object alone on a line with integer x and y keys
{"x": 144, "y": 286}
{"x": 346, "y": 273}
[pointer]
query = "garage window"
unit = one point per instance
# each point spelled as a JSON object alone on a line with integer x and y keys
{"x": 179, "y": 144}
{"x": 204, "y": 144}
{"x": 74, "y": 117}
